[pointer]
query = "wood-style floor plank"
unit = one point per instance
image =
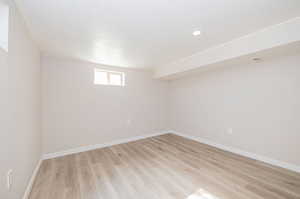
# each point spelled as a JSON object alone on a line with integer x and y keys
{"x": 162, "y": 167}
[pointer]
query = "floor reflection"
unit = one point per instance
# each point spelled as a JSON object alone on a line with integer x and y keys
{"x": 202, "y": 194}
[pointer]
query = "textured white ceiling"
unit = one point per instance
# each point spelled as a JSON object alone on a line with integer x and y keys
{"x": 140, "y": 33}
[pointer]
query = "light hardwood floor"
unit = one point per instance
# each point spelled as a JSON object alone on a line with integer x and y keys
{"x": 162, "y": 167}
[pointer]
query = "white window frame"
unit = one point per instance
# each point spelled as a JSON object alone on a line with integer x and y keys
{"x": 108, "y": 73}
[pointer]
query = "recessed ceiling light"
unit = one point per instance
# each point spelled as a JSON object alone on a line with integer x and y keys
{"x": 196, "y": 32}
{"x": 257, "y": 59}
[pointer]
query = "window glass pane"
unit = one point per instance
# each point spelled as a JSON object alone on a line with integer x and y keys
{"x": 100, "y": 77}
{"x": 109, "y": 77}
{"x": 4, "y": 14}
{"x": 115, "y": 79}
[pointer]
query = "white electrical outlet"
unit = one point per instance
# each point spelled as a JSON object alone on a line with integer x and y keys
{"x": 229, "y": 131}
{"x": 9, "y": 179}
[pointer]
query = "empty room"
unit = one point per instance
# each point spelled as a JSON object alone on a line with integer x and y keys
{"x": 160, "y": 99}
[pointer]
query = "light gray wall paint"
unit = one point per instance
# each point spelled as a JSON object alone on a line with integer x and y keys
{"x": 20, "y": 131}
{"x": 78, "y": 113}
{"x": 260, "y": 102}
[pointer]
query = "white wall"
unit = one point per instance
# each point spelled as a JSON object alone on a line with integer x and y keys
{"x": 260, "y": 102}
{"x": 78, "y": 113}
{"x": 20, "y": 139}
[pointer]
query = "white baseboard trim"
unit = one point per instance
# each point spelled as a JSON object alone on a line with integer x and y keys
{"x": 31, "y": 181}
{"x": 242, "y": 153}
{"x": 198, "y": 139}
{"x": 98, "y": 146}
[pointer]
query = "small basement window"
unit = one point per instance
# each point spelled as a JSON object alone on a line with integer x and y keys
{"x": 4, "y": 15}
{"x": 112, "y": 78}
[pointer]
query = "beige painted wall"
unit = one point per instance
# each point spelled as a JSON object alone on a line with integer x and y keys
{"x": 78, "y": 113}
{"x": 20, "y": 139}
{"x": 260, "y": 102}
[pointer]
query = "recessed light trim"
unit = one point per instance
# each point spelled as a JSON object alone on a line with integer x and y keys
{"x": 197, "y": 33}
{"x": 257, "y": 59}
